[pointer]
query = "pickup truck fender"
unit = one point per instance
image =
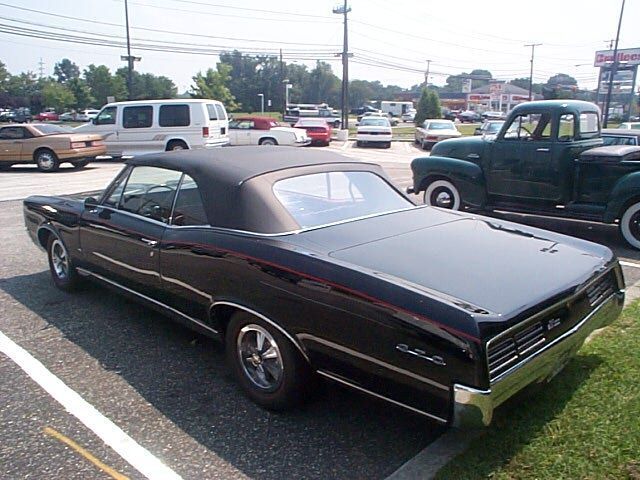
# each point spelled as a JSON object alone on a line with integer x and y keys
{"x": 625, "y": 191}
{"x": 465, "y": 175}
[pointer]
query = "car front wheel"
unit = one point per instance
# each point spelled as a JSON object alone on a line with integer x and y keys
{"x": 63, "y": 273}
{"x": 443, "y": 194}
{"x": 630, "y": 225}
{"x": 47, "y": 161}
{"x": 265, "y": 363}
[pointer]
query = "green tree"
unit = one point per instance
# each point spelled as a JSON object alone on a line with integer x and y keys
{"x": 147, "y": 86}
{"x": 103, "y": 84}
{"x": 57, "y": 96}
{"x": 66, "y": 70}
{"x": 81, "y": 92}
{"x": 323, "y": 87}
{"x": 428, "y": 106}
{"x": 213, "y": 84}
{"x": 523, "y": 82}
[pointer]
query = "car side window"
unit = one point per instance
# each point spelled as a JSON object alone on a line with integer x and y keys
{"x": 13, "y": 133}
{"x": 567, "y": 128}
{"x": 149, "y": 192}
{"x": 529, "y": 127}
{"x": 112, "y": 198}
{"x": 137, "y": 117}
{"x": 189, "y": 209}
{"x": 107, "y": 116}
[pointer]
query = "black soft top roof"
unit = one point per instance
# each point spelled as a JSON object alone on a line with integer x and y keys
{"x": 236, "y": 182}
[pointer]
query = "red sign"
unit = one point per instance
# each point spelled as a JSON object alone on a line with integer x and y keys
{"x": 628, "y": 56}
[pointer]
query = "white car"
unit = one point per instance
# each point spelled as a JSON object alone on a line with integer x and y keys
{"x": 432, "y": 131}
{"x": 392, "y": 120}
{"x": 374, "y": 129}
{"x": 86, "y": 115}
{"x": 265, "y": 131}
{"x": 409, "y": 115}
{"x": 630, "y": 126}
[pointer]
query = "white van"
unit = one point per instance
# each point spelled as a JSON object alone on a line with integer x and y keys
{"x": 147, "y": 126}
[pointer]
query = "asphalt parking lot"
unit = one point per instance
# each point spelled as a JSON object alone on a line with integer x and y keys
{"x": 167, "y": 387}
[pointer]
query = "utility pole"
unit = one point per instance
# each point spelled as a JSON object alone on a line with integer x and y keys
{"x": 129, "y": 59}
{"x": 612, "y": 72}
{"x": 426, "y": 75}
{"x": 533, "y": 52}
{"x": 41, "y": 67}
{"x": 343, "y": 10}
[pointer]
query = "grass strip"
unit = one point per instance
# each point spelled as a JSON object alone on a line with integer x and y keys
{"x": 585, "y": 424}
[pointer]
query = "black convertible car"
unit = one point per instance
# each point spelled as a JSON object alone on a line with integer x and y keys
{"x": 306, "y": 262}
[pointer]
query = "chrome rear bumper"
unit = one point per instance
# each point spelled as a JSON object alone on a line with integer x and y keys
{"x": 474, "y": 407}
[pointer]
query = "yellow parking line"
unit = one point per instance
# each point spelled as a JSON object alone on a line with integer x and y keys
{"x": 85, "y": 453}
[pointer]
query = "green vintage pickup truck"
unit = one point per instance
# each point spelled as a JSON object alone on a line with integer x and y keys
{"x": 546, "y": 160}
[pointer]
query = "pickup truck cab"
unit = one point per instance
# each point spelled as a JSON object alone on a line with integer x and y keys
{"x": 541, "y": 162}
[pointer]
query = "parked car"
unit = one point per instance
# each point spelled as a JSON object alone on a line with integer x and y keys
{"x": 47, "y": 146}
{"x": 363, "y": 109}
{"x": 48, "y": 115}
{"x": 619, "y": 136}
{"x": 409, "y": 116}
{"x": 147, "y": 126}
{"x": 630, "y": 126}
{"x": 489, "y": 127}
{"x": 392, "y": 120}
{"x": 450, "y": 114}
{"x": 328, "y": 114}
{"x": 432, "y": 131}
{"x": 469, "y": 116}
{"x": 539, "y": 163}
{"x": 21, "y": 115}
{"x": 265, "y": 131}
{"x": 306, "y": 262}
{"x": 86, "y": 115}
{"x": 67, "y": 117}
{"x": 317, "y": 130}
{"x": 7, "y": 115}
{"x": 493, "y": 115}
{"x": 374, "y": 130}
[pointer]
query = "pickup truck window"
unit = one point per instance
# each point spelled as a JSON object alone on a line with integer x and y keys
{"x": 589, "y": 125}
{"x": 567, "y": 130}
{"x": 531, "y": 126}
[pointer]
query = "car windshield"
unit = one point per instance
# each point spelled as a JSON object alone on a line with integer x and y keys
{"x": 46, "y": 129}
{"x": 375, "y": 122}
{"x": 325, "y": 198}
{"x": 494, "y": 127}
{"x": 441, "y": 126}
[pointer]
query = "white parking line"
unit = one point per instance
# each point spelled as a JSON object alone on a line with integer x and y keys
{"x": 624, "y": 263}
{"x": 137, "y": 456}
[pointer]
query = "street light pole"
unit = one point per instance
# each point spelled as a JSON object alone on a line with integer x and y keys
{"x": 612, "y": 72}
{"x": 343, "y": 10}
{"x": 261, "y": 95}
{"x": 129, "y": 59}
{"x": 533, "y": 51}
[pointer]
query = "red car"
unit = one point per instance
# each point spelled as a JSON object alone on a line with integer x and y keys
{"x": 46, "y": 116}
{"x": 318, "y": 130}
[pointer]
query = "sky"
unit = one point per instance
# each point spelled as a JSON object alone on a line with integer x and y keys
{"x": 390, "y": 41}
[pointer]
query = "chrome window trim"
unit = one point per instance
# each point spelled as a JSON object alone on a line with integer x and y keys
{"x": 89, "y": 273}
{"x": 335, "y": 378}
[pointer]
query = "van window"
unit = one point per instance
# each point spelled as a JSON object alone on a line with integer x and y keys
{"x": 137, "y": 117}
{"x": 211, "y": 109}
{"x": 107, "y": 116}
{"x": 222, "y": 115}
{"x": 174, "y": 116}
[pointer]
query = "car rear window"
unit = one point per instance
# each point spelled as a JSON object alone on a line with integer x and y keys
{"x": 211, "y": 110}
{"x": 441, "y": 126}
{"x": 174, "y": 116}
{"x": 324, "y": 198}
{"x": 375, "y": 122}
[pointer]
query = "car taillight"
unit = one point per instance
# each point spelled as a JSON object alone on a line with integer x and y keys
{"x": 77, "y": 144}
{"x": 431, "y": 137}
{"x": 97, "y": 143}
{"x": 205, "y": 131}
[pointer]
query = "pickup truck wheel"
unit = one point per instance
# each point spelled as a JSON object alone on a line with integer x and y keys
{"x": 268, "y": 141}
{"x": 443, "y": 194}
{"x": 63, "y": 273}
{"x": 265, "y": 363}
{"x": 46, "y": 160}
{"x": 630, "y": 225}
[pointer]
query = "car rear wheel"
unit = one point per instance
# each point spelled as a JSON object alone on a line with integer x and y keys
{"x": 443, "y": 194}
{"x": 47, "y": 161}
{"x": 63, "y": 273}
{"x": 630, "y": 225}
{"x": 176, "y": 145}
{"x": 268, "y": 142}
{"x": 268, "y": 367}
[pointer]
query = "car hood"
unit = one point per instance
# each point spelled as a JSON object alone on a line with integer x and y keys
{"x": 498, "y": 266}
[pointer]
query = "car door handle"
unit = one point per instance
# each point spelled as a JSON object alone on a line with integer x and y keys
{"x": 542, "y": 149}
{"x": 151, "y": 243}
{"x": 473, "y": 155}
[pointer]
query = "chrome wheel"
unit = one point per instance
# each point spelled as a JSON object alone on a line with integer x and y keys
{"x": 260, "y": 357}
{"x": 47, "y": 161}
{"x": 59, "y": 259}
